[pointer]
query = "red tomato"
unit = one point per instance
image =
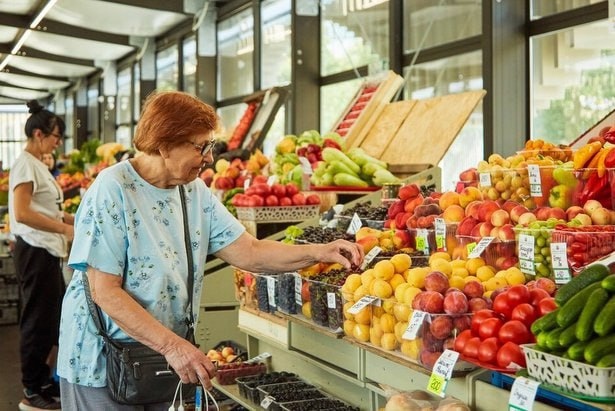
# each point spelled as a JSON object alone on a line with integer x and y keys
{"x": 546, "y": 305}
{"x": 285, "y": 201}
{"x": 514, "y": 331}
{"x": 478, "y": 318}
{"x": 502, "y": 305}
{"x": 488, "y": 350}
{"x": 525, "y": 313}
{"x": 261, "y": 189}
{"x": 518, "y": 294}
{"x": 470, "y": 349}
{"x": 278, "y": 189}
{"x": 298, "y": 199}
{"x": 291, "y": 189}
{"x": 509, "y": 353}
{"x": 255, "y": 201}
{"x": 461, "y": 340}
{"x": 536, "y": 295}
{"x": 272, "y": 200}
{"x": 489, "y": 327}
{"x": 312, "y": 199}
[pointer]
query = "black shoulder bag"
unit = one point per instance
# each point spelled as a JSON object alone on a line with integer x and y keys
{"x": 136, "y": 374}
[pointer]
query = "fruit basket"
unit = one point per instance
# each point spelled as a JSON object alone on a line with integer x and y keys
{"x": 570, "y": 375}
{"x": 278, "y": 214}
{"x": 265, "y": 287}
{"x": 227, "y": 373}
{"x": 585, "y": 245}
{"x": 499, "y": 254}
{"x": 288, "y": 293}
{"x": 248, "y": 385}
{"x": 536, "y": 262}
{"x": 273, "y": 390}
{"x": 326, "y": 301}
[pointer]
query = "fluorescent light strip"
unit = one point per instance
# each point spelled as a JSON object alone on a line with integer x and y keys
{"x": 21, "y": 41}
{"x": 42, "y": 13}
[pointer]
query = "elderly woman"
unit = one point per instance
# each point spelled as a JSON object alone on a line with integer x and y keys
{"x": 129, "y": 242}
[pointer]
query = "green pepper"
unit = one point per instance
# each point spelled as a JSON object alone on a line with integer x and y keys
{"x": 560, "y": 196}
{"x": 565, "y": 176}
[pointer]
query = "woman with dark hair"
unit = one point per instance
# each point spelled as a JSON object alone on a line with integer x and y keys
{"x": 42, "y": 231}
{"x": 50, "y": 160}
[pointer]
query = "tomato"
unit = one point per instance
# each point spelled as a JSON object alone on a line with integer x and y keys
{"x": 470, "y": 349}
{"x": 502, "y": 305}
{"x": 312, "y": 199}
{"x": 546, "y": 305}
{"x": 278, "y": 190}
{"x": 272, "y": 200}
{"x": 518, "y": 294}
{"x": 285, "y": 201}
{"x": 478, "y": 318}
{"x": 489, "y": 327}
{"x": 291, "y": 189}
{"x": 509, "y": 353}
{"x": 261, "y": 189}
{"x": 536, "y": 295}
{"x": 298, "y": 199}
{"x": 461, "y": 340}
{"x": 255, "y": 201}
{"x": 488, "y": 350}
{"x": 525, "y": 313}
{"x": 514, "y": 331}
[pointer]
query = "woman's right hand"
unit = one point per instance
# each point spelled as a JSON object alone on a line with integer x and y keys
{"x": 190, "y": 363}
{"x": 69, "y": 232}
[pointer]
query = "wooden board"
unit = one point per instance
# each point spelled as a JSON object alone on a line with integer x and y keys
{"x": 430, "y": 128}
{"x": 384, "y": 129}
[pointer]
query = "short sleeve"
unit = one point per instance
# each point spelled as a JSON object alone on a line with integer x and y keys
{"x": 225, "y": 228}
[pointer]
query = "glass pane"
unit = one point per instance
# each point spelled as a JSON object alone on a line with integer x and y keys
{"x": 93, "y": 111}
{"x": 276, "y": 132}
{"x": 353, "y": 35}
{"x": 190, "y": 62}
{"x": 573, "y": 81}
{"x": 235, "y": 51}
{"x": 541, "y": 8}
{"x": 334, "y": 99}
{"x": 276, "y": 49}
{"x": 167, "y": 68}
{"x": 448, "y": 76}
{"x": 430, "y": 24}
{"x": 229, "y": 117}
{"x": 123, "y": 114}
{"x": 137, "y": 100}
{"x": 123, "y": 136}
{"x": 69, "y": 105}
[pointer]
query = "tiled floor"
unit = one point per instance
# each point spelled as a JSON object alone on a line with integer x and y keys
{"x": 10, "y": 375}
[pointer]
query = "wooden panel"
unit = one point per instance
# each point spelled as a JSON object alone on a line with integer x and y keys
{"x": 430, "y": 128}
{"x": 380, "y": 135}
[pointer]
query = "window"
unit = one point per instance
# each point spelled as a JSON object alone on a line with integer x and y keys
{"x": 189, "y": 64}
{"x": 137, "y": 99}
{"x": 276, "y": 132}
{"x": 235, "y": 54}
{"x": 123, "y": 108}
{"x": 69, "y": 107}
{"x": 541, "y": 8}
{"x": 275, "y": 47}
{"x": 354, "y": 34}
{"x": 93, "y": 110}
{"x": 572, "y": 81}
{"x": 229, "y": 117}
{"x": 167, "y": 68}
{"x": 334, "y": 100}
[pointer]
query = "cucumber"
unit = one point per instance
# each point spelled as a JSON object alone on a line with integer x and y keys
{"x": 606, "y": 361}
{"x": 598, "y": 348}
{"x": 570, "y": 312}
{"x": 552, "y": 340}
{"x": 541, "y": 340}
{"x": 576, "y": 350}
{"x": 585, "y": 325}
{"x": 605, "y": 321}
{"x": 568, "y": 337}
{"x": 609, "y": 283}
{"x": 545, "y": 323}
{"x": 586, "y": 277}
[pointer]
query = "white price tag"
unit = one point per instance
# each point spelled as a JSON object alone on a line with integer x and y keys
{"x": 559, "y": 262}
{"x": 331, "y": 303}
{"x": 266, "y": 402}
{"x": 480, "y": 247}
{"x": 361, "y": 304}
{"x": 370, "y": 256}
{"x": 422, "y": 240}
{"x": 271, "y": 291}
{"x": 306, "y": 167}
{"x": 533, "y": 171}
{"x": 416, "y": 321}
{"x": 526, "y": 254}
{"x": 271, "y": 180}
{"x": 440, "y": 234}
{"x": 522, "y": 394}
{"x": 484, "y": 179}
{"x": 246, "y": 183}
{"x": 355, "y": 224}
{"x": 298, "y": 287}
{"x": 442, "y": 372}
{"x": 258, "y": 358}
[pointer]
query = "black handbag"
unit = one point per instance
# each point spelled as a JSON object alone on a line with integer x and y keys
{"x": 136, "y": 374}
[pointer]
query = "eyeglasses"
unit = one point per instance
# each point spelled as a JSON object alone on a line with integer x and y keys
{"x": 57, "y": 136}
{"x": 204, "y": 149}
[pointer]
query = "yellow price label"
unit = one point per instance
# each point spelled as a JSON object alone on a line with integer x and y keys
{"x": 440, "y": 242}
{"x": 436, "y": 384}
{"x": 470, "y": 247}
{"x": 420, "y": 243}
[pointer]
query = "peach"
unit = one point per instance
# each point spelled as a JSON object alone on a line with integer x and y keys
{"x": 431, "y": 302}
{"x": 591, "y": 205}
{"x": 601, "y": 216}
{"x": 516, "y": 212}
{"x": 408, "y": 191}
{"x": 487, "y": 208}
{"x": 504, "y": 263}
{"x": 509, "y": 205}
{"x": 478, "y": 303}
{"x": 466, "y": 225}
{"x": 401, "y": 239}
{"x": 462, "y": 322}
{"x": 546, "y": 284}
{"x": 453, "y": 213}
{"x": 476, "y": 230}
{"x": 506, "y": 233}
{"x": 441, "y": 326}
{"x": 395, "y": 208}
{"x": 447, "y": 199}
{"x": 469, "y": 194}
{"x": 366, "y": 231}
{"x": 436, "y": 281}
{"x": 526, "y": 218}
{"x": 495, "y": 232}
{"x": 542, "y": 213}
{"x": 428, "y": 359}
{"x": 485, "y": 229}
{"x": 572, "y": 211}
{"x": 401, "y": 219}
{"x": 410, "y": 205}
{"x": 557, "y": 213}
{"x": 473, "y": 289}
{"x": 471, "y": 210}
{"x": 471, "y": 174}
{"x": 368, "y": 242}
{"x": 584, "y": 219}
{"x": 500, "y": 218}
{"x": 455, "y": 303}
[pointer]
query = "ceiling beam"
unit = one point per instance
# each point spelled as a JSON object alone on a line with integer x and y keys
{"x": 62, "y": 29}
{"x": 14, "y": 20}
{"x": 20, "y": 99}
{"x": 34, "y": 53}
{"x": 14, "y": 70}
{"x": 5, "y": 84}
{"x": 162, "y": 5}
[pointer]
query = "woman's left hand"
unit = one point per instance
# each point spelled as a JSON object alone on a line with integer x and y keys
{"x": 344, "y": 252}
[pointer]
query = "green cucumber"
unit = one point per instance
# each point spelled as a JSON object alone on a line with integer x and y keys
{"x": 586, "y": 277}
{"x": 545, "y": 323}
{"x": 571, "y": 311}
{"x": 609, "y": 283}
{"x": 598, "y": 348}
{"x": 607, "y": 361}
{"x": 605, "y": 321}
{"x": 568, "y": 337}
{"x": 541, "y": 340}
{"x": 576, "y": 350}
{"x": 595, "y": 304}
{"x": 552, "y": 340}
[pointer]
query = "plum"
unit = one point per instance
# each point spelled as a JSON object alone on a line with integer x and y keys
{"x": 436, "y": 281}
{"x": 455, "y": 303}
{"x": 441, "y": 326}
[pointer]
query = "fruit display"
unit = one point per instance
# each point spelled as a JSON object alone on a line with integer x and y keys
{"x": 265, "y": 195}
{"x": 364, "y": 96}
{"x": 230, "y": 174}
{"x": 226, "y": 352}
{"x": 242, "y": 128}
{"x": 585, "y": 245}
{"x": 228, "y": 373}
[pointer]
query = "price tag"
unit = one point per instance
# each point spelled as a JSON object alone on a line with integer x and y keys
{"x": 271, "y": 180}
{"x": 440, "y": 234}
{"x": 470, "y": 247}
{"x": 442, "y": 372}
{"x": 355, "y": 224}
{"x": 370, "y": 256}
{"x": 298, "y": 286}
{"x": 522, "y": 394}
{"x": 361, "y": 304}
{"x": 258, "y": 358}
{"x": 306, "y": 167}
{"x": 246, "y": 183}
{"x": 526, "y": 254}
{"x": 559, "y": 262}
{"x": 266, "y": 402}
{"x": 422, "y": 240}
{"x": 484, "y": 179}
{"x": 533, "y": 171}
{"x": 331, "y": 303}
{"x": 480, "y": 247}
{"x": 416, "y": 321}
{"x": 271, "y": 290}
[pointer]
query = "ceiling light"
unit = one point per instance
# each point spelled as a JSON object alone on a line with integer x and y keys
{"x": 39, "y": 17}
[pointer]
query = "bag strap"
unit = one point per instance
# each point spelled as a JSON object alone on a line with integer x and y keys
{"x": 95, "y": 310}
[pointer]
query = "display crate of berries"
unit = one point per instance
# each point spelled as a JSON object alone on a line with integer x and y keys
{"x": 288, "y": 293}
{"x": 326, "y": 298}
{"x": 371, "y": 215}
{"x": 248, "y": 385}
